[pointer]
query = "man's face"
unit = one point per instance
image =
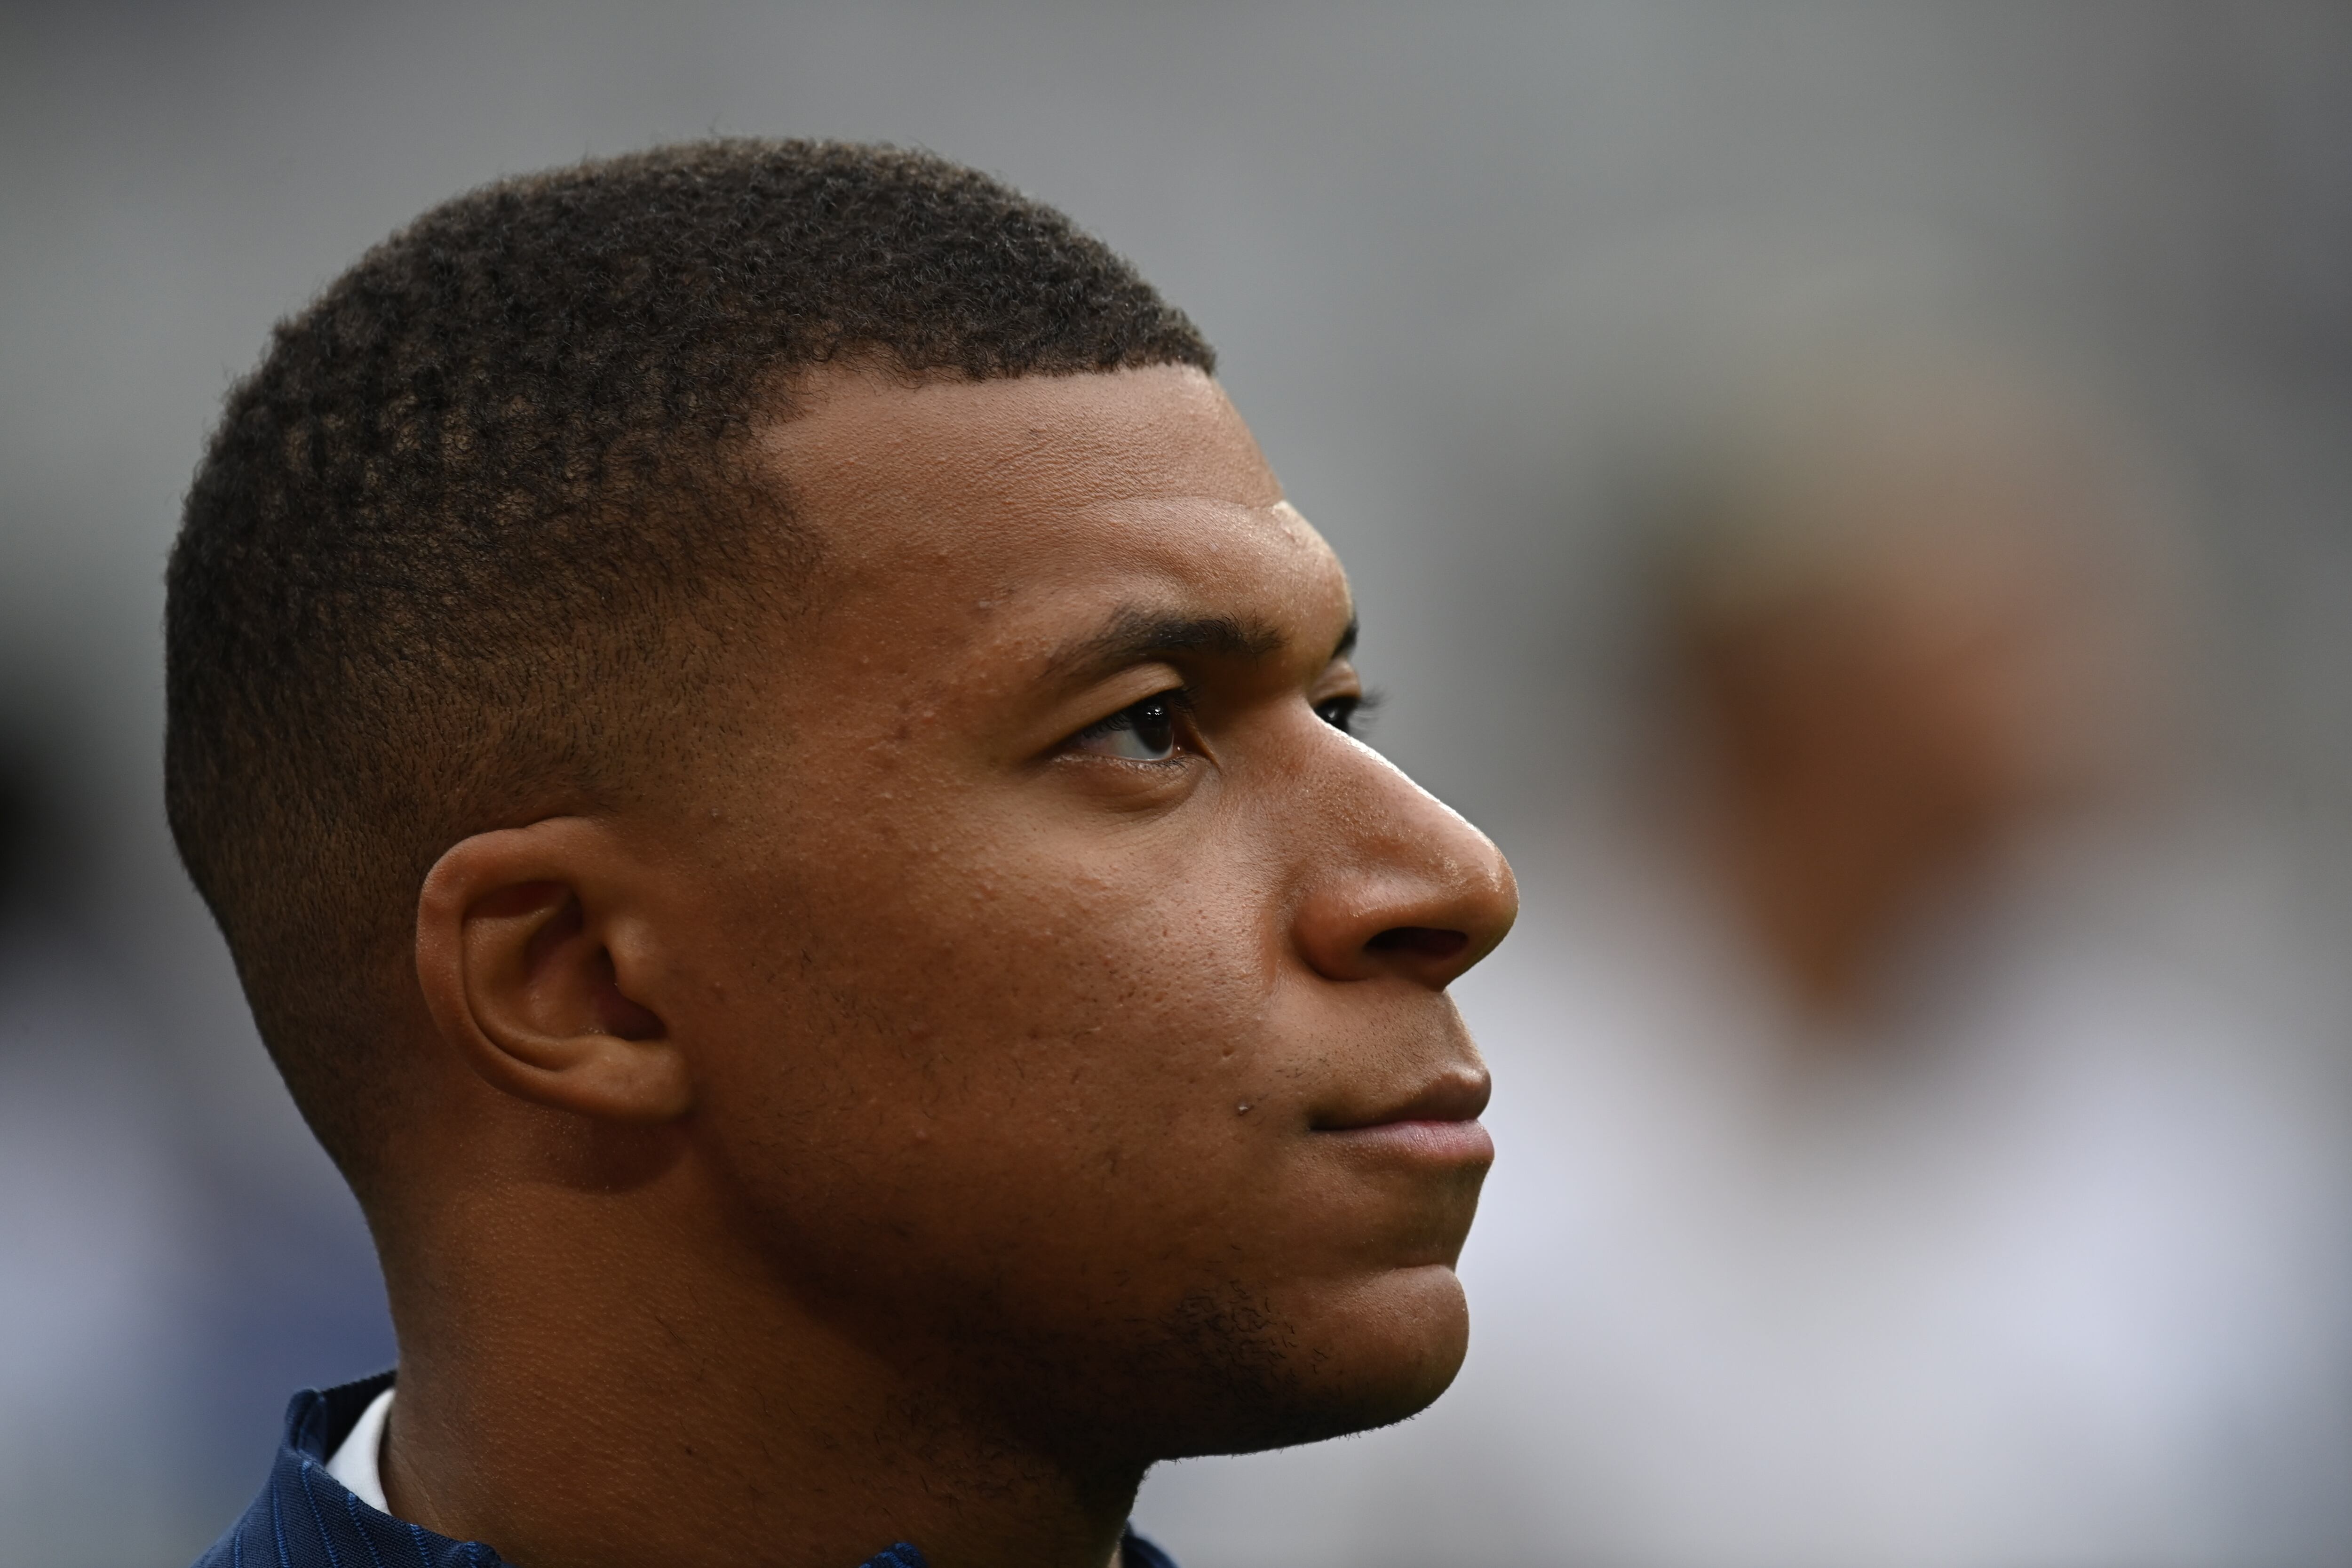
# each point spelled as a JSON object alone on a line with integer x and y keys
{"x": 1076, "y": 1020}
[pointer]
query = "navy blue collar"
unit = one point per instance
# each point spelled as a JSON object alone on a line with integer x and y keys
{"x": 306, "y": 1519}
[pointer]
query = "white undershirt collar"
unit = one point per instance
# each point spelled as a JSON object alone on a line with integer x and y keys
{"x": 357, "y": 1460}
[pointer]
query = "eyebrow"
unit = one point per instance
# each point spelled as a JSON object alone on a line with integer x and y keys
{"x": 1132, "y": 635}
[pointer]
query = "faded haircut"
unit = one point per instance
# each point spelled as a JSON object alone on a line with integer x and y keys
{"x": 482, "y": 523}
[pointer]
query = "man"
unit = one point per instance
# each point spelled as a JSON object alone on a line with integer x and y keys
{"x": 776, "y": 769}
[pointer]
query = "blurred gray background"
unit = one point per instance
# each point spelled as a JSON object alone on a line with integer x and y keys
{"x": 1450, "y": 256}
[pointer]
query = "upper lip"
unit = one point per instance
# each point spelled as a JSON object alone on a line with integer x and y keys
{"x": 1458, "y": 1096}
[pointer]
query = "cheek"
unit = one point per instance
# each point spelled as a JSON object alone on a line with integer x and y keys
{"x": 1152, "y": 968}
{"x": 994, "y": 1056}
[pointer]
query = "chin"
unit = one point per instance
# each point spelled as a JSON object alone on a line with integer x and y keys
{"x": 1285, "y": 1368}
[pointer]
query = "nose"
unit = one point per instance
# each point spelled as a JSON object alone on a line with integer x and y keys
{"x": 1396, "y": 884}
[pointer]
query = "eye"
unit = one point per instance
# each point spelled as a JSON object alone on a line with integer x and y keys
{"x": 1142, "y": 732}
{"x": 1343, "y": 713}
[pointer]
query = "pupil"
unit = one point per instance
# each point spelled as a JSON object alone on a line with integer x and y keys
{"x": 1155, "y": 727}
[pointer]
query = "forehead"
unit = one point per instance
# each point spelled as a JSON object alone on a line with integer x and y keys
{"x": 1072, "y": 494}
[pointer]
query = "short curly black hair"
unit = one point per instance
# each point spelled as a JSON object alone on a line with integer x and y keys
{"x": 478, "y": 524}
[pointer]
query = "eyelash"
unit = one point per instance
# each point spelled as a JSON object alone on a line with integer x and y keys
{"x": 1352, "y": 711}
{"x": 1177, "y": 700}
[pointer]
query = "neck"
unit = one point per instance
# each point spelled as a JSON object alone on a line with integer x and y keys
{"x": 591, "y": 1377}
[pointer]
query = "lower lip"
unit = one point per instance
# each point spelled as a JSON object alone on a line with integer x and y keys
{"x": 1427, "y": 1143}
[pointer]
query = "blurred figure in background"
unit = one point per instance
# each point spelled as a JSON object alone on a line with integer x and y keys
{"x": 1918, "y": 1141}
{"x": 1917, "y": 633}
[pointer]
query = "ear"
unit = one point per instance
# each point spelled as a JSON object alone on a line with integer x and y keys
{"x": 538, "y": 963}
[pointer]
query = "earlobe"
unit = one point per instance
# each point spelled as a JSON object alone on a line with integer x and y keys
{"x": 539, "y": 966}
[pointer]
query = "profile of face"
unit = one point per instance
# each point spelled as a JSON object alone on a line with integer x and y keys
{"x": 1971, "y": 661}
{"x": 1913, "y": 661}
{"x": 1048, "y": 990}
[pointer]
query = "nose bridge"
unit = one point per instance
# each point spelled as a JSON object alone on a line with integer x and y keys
{"x": 1404, "y": 824}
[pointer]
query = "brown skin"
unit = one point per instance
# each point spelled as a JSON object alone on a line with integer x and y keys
{"x": 1882, "y": 738}
{"x": 941, "y": 1110}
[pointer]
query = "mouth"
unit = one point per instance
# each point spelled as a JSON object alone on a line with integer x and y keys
{"x": 1438, "y": 1124}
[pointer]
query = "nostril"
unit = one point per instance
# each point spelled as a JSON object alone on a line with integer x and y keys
{"x": 1429, "y": 941}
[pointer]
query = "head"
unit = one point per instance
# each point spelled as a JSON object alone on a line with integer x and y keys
{"x": 1912, "y": 603}
{"x": 757, "y": 704}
